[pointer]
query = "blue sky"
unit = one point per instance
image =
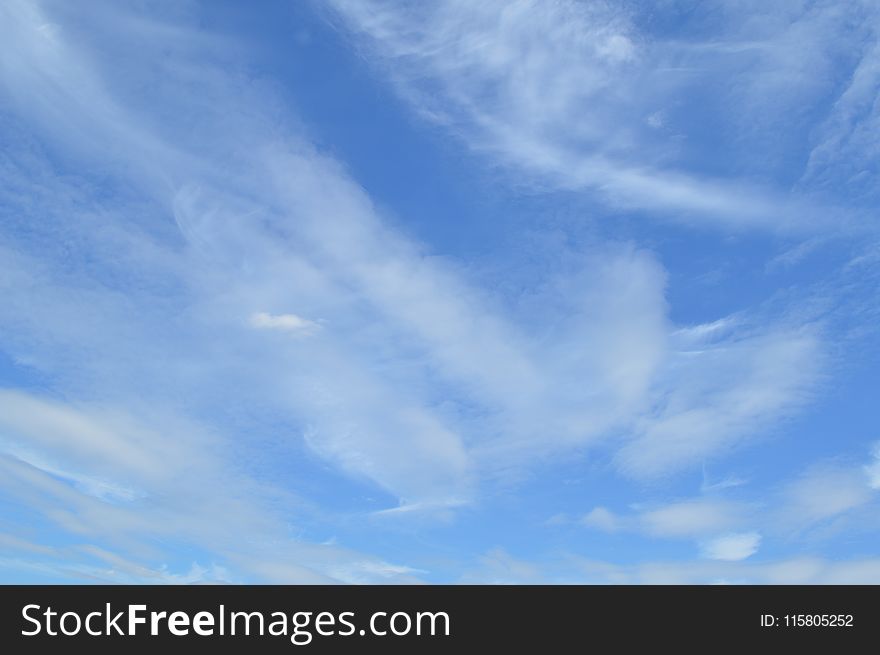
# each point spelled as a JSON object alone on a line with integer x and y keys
{"x": 492, "y": 292}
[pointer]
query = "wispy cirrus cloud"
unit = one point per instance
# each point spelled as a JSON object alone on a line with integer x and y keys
{"x": 578, "y": 95}
{"x": 717, "y": 391}
{"x": 133, "y": 488}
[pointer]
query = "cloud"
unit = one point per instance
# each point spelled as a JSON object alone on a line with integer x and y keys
{"x": 795, "y": 570}
{"x": 284, "y": 322}
{"x": 565, "y": 92}
{"x": 821, "y": 500}
{"x": 717, "y": 394}
{"x": 873, "y": 469}
{"x": 690, "y": 518}
{"x": 729, "y": 482}
{"x": 185, "y": 495}
{"x": 108, "y": 443}
{"x": 681, "y": 519}
{"x": 824, "y": 492}
{"x": 731, "y": 547}
{"x": 499, "y": 566}
{"x": 602, "y": 519}
{"x": 846, "y": 150}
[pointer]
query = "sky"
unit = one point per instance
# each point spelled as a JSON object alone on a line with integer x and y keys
{"x": 538, "y": 291}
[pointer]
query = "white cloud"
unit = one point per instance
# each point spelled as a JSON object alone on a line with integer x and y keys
{"x": 685, "y": 519}
{"x": 602, "y": 519}
{"x": 731, "y": 547}
{"x": 104, "y": 442}
{"x": 822, "y": 493}
{"x": 714, "y": 397}
{"x": 690, "y": 518}
{"x": 784, "y": 571}
{"x": 696, "y": 336}
{"x": 196, "y": 498}
{"x": 847, "y": 148}
{"x": 99, "y": 487}
{"x": 499, "y": 566}
{"x": 285, "y": 322}
{"x": 371, "y": 571}
{"x": 873, "y": 469}
{"x": 560, "y": 91}
{"x": 728, "y": 482}
{"x": 823, "y": 499}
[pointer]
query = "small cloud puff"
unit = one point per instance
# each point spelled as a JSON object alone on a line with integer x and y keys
{"x": 732, "y": 547}
{"x": 285, "y": 322}
{"x": 602, "y": 519}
